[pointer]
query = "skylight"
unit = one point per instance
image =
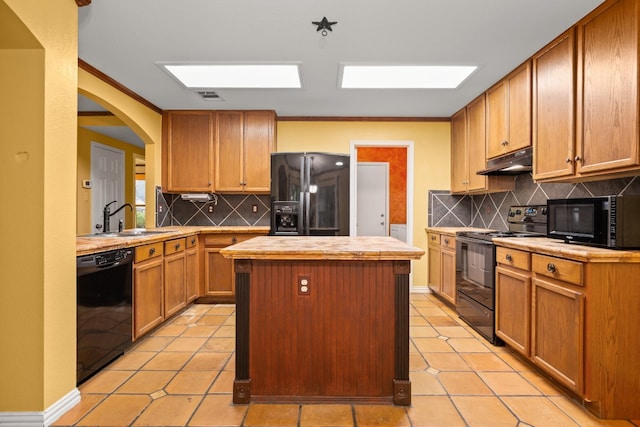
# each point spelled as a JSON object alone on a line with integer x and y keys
{"x": 239, "y": 76}
{"x": 404, "y": 76}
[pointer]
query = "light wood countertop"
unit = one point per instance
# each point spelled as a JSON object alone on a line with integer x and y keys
{"x": 453, "y": 231}
{"x": 94, "y": 244}
{"x": 322, "y": 248}
{"x": 554, "y": 247}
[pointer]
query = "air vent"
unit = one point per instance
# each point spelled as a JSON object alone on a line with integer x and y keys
{"x": 209, "y": 95}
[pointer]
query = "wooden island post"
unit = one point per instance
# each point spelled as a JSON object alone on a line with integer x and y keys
{"x": 322, "y": 319}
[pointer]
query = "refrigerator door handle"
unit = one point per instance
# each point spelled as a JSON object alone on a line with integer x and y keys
{"x": 307, "y": 226}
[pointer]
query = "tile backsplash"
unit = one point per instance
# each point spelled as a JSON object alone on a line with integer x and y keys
{"x": 227, "y": 210}
{"x": 490, "y": 210}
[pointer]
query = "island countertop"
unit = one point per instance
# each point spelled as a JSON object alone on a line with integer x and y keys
{"x": 322, "y": 248}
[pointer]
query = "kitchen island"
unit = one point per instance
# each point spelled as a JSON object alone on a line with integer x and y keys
{"x": 322, "y": 319}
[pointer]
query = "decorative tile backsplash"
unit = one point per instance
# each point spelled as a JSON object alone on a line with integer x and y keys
{"x": 490, "y": 210}
{"x": 228, "y": 210}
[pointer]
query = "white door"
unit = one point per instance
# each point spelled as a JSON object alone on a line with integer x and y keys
{"x": 372, "y": 204}
{"x": 107, "y": 177}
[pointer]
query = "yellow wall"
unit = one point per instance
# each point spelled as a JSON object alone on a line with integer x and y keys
{"x": 38, "y": 108}
{"x": 145, "y": 122}
{"x": 431, "y": 158}
{"x": 85, "y": 137}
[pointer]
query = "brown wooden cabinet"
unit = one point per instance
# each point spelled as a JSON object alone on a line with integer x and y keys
{"x": 148, "y": 280}
{"x": 222, "y": 151}
{"x": 513, "y": 298}
{"x": 187, "y": 151}
{"x": 608, "y": 111}
{"x": 441, "y": 249}
{"x": 192, "y": 274}
{"x": 554, "y": 89}
{"x": 219, "y": 280}
{"x": 468, "y": 153}
{"x": 175, "y": 292}
{"x": 244, "y": 143}
{"x": 509, "y": 112}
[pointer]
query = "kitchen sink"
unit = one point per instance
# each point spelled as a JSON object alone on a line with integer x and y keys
{"x": 133, "y": 232}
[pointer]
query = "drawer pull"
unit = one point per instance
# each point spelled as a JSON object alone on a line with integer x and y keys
{"x": 177, "y": 246}
{"x": 152, "y": 251}
{"x": 508, "y": 257}
{"x": 433, "y": 237}
{"x": 446, "y": 241}
{"x": 551, "y": 268}
{"x": 193, "y": 241}
{"x": 233, "y": 239}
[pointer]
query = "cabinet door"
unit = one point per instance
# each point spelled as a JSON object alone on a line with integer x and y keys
{"x": 608, "y": 88}
{"x": 259, "y": 143}
{"x": 513, "y": 308}
{"x": 497, "y": 119}
{"x": 229, "y": 152}
{"x": 519, "y": 95}
{"x": 192, "y": 271}
{"x": 187, "y": 151}
{"x": 553, "y": 108}
{"x": 218, "y": 274}
{"x": 476, "y": 146}
{"x": 435, "y": 274}
{"x": 148, "y": 309}
{"x": 448, "y": 271}
{"x": 557, "y": 332}
{"x": 175, "y": 297}
{"x": 459, "y": 168}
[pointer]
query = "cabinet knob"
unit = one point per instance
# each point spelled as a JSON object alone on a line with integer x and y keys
{"x": 508, "y": 257}
{"x": 152, "y": 251}
{"x": 446, "y": 241}
{"x": 233, "y": 240}
{"x": 578, "y": 158}
{"x": 568, "y": 160}
{"x": 193, "y": 241}
{"x": 551, "y": 268}
{"x": 177, "y": 246}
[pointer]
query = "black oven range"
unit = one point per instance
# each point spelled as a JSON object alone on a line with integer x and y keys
{"x": 475, "y": 267}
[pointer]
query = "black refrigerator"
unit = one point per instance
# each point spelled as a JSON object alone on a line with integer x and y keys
{"x": 309, "y": 194}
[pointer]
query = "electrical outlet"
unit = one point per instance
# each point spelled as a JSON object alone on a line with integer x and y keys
{"x": 304, "y": 283}
{"x": 159, "y": 208}
{"x": 254, "y": 208}
{"x": 210, "y": 208}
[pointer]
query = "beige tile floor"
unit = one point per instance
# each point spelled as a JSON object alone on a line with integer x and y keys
{"x": 182, "y": 374}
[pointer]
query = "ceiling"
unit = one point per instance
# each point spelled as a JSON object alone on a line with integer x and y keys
{"x": 126, "y": 40}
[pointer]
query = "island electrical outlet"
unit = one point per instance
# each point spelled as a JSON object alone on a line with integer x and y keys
{"x": 304, "y": 285}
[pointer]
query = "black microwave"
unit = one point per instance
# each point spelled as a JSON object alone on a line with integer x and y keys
{"x": 609, "y": 221}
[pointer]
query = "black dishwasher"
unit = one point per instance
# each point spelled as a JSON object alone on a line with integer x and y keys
{"x": 104, "y": 310}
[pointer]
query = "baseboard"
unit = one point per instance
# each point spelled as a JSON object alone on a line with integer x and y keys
{"x": 420, "y": 290}
{"x": 41, "y": 419}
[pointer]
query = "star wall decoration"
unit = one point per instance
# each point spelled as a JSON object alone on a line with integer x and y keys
{"x": 324, "y": 25}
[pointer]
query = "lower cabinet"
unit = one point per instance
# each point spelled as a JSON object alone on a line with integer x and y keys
{"x": 175, "y": 291}
{"x": 219, "y": 280}
{"x": 441, "y": 249}
{"x": 148, "y": 280}
{"x": 192, "y": 274}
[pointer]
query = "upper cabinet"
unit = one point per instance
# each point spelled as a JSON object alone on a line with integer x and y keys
{"x": 607, "y": 114}
{"x": 217, "y": 151}
{"x": 244, "y": 143}
{"x": 591, "y": 70}
{"x": 509, "y": 113}
{"x": 187, "y": 151}
{"x": 554, "y": 77}
{"x": 468, "y": 156}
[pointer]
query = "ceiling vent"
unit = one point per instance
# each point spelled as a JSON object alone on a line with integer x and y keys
{"x": 209, "y": 95}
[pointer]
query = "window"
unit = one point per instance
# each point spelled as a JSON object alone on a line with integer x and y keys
{"x": 140, "y": 201}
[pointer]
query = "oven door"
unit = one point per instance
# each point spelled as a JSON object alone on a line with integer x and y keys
{"x": 475, "y": 291}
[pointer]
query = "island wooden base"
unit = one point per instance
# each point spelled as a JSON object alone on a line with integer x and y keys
{"x": 322, "y": 331}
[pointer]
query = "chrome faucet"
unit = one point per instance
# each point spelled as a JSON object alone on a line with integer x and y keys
{"x": 106, "y": 214}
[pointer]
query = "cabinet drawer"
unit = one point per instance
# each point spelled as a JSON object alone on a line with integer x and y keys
{"x": 149, "y": 251}
{"x": 174, "y": 246}
{"x": 191, "y": 241}
{"x": 225, "y": 239}
{"x": 448, "y": 242}
{"x": 433, "y": 238}
{"x": 513, "y": 258}
{"x": 558, "y": 268}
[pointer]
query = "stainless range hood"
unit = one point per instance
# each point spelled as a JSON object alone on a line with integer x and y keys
{"x": 510, "y": 164}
